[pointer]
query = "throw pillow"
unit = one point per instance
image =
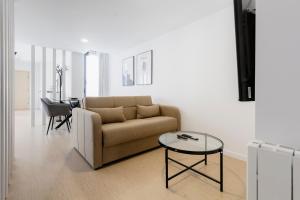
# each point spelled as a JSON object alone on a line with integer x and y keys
{"x": 147, "y": 111}
{"x": 110, "y": 115}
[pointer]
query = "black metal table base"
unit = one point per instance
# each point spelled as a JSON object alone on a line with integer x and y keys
{"x": 66, "y": 120}
{"x": 191, "y": 168}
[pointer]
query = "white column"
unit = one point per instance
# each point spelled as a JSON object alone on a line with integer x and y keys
{"x": 44, "y": 82}
{"x": 32, "y": 90}
{"x": 101, "y": 70}
{"x": 12, "y": 91}
{"x": 64, "y": 74}
{"x": 277, "y": 72}
{"x": 6, "y": 92}
{"x": 103, "y": 74}
{"x": 54, "y": 74}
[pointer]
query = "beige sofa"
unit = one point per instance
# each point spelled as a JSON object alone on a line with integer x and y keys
{"x": 101, "y": 143}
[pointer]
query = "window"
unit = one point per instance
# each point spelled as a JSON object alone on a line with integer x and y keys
{"x": 91, "y": 74}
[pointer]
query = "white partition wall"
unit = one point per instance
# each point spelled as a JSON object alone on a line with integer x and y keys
{"x": 77, "y": 75}
{"x": 277, "y": 72}
{"x": 296, "y": 173}
{"x": 68, "y": 74}
{"x": 252, "y": 171}
{"x": 278, "y": 96}
{"x": 44, "y": 81}
{"x": 32, "y": 86}
{"x": 64, "y": 75}
{"x": 49, "y": 72}
{"x": 104, "y": 74}
{"x": 38, "y": 77}
{"x": 54, "y": 74}
{"x": 6, "y": 92}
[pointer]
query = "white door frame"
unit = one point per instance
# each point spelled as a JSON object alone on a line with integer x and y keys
{"x": 6, "y": 93}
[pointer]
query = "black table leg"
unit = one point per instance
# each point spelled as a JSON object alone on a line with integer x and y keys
{"x": 64, "y": 121}
{"x": 67, "y": 123}
{"x": 221, "y": 171}
{"x": 205, "y": 159}
{"x": 51, "y": 118}
{"x": 166, "y": 162}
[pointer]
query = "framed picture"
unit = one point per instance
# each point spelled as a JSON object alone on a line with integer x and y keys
{"x": 143, "y": 70}
{"x": 128, "y": 71}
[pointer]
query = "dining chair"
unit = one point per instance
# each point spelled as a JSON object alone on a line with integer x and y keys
{"x": 54, "y": 109}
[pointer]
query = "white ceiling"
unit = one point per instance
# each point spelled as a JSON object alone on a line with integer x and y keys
{"x": 109, "y": 25}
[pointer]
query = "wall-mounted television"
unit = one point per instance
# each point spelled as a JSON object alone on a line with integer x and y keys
{"x": 245, "y": 49}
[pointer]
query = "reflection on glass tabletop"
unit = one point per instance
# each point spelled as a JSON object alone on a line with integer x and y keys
{"x": 205, "y": 144}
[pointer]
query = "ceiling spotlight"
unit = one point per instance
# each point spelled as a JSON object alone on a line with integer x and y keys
{"x": 84, "y": 40}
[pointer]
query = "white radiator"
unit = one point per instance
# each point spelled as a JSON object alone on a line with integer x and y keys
{"x": 273, "y": 172}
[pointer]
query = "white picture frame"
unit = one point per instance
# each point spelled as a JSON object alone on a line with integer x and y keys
{"x": 143, "y": 68}
{"x": 128, "y": 71}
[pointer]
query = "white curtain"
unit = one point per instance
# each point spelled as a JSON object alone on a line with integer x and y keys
{"x": 6, "y": 92}
{"x": 103, "y": 74}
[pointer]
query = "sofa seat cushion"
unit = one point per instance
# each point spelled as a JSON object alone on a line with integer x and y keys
{"x": 118, "y": 133}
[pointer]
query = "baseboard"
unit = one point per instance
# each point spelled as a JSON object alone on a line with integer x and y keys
{"x": 235, "y": 155}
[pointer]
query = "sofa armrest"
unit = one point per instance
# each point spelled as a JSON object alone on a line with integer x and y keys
{"x": 171, "y": 111}
{"x": 87, "y": 135}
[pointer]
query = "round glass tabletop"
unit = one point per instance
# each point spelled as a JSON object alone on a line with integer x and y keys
{"x": 201, "y": 144}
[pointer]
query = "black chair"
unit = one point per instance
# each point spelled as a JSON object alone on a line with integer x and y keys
{"x": 54, "y": 110}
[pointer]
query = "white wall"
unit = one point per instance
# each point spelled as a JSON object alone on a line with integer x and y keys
{"x": 278, "y": 71}
{"x": 195, "y": 69}
{"x": 77, "y": 75}
{"x": 22, "y": 59}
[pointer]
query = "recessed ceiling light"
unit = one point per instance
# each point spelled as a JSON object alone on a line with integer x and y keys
{"x": 84, "y": 40}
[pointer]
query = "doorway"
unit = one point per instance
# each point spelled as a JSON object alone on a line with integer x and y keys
{"x": 22, "y": 90}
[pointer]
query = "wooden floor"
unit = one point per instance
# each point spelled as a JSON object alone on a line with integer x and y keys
{"x": 46, "y": 167}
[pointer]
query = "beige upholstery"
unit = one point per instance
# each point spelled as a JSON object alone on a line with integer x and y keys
{"x": 130, "y": 148}
{"x": 102, "y": 143}
{"x": 111, "y": 102}
{"x": 147, "y": 111}
{"x": 110, "y": 115}
{"x": 130, "y": 112}
{"x": 171, "y": 111}
{"x": 118, "y": 133}
{"x": 87, "y": 135}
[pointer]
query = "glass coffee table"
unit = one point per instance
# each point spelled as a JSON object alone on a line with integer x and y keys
{"x": 199, "y": 144}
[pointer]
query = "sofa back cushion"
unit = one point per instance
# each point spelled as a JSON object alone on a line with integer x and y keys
{"x": 147, "y": 111}
{"x": 129, "y": 103}
{"x": 98, "y": 102}
{"x": 110, "y": 115}
{"x": 130, "y": 112}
